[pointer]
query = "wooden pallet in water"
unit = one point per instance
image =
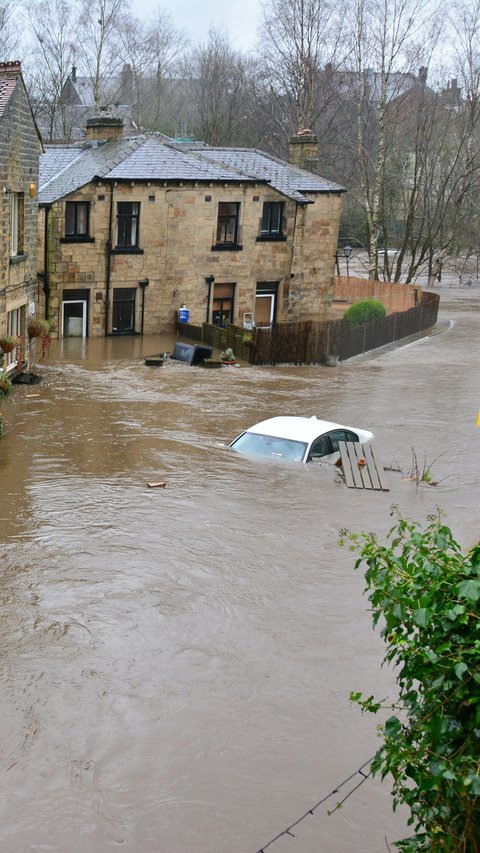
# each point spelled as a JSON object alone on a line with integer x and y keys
{"x": 362, "y": 470}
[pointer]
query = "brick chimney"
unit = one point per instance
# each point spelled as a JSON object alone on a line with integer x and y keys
{"x": 10, "y": 69}
{"x": 303, "y": 149}
{"x": 102, "y": 128}
{"x": 422, "y": 75}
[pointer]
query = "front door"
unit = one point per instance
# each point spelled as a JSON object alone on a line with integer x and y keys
{"x": 222, "y": 307}
{"x": 265, "y": 303}
{"x": 123, "y": 311}
{"x": 74, "y": 318}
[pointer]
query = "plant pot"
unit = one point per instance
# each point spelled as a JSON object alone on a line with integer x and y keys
{"x": 38, "y": 328}
{"x": 8, "y": 343}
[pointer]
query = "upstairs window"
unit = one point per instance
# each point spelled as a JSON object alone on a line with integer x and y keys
{"x": 227, "y": 223}
{"x": 272, "y": 219}
{"x": 128, "y": 216}
{"x": 77, "y": 216}
{"x": 17, "y": 224}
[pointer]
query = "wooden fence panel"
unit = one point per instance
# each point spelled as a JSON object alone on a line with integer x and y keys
{"x": 310, "y": 342}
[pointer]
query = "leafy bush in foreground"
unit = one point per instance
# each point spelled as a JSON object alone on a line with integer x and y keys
{"x": 425, "y": 593}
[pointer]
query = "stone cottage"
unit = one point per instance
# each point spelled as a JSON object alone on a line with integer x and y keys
{"x": 134, "y": 228}
{"x": 20, "y": 148}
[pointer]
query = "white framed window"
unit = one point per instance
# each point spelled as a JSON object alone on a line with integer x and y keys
{"x": 17, "y": 224}
{"x": 15, "y": 326}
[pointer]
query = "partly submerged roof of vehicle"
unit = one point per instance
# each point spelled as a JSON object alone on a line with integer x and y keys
{"x": 300, "y": 428}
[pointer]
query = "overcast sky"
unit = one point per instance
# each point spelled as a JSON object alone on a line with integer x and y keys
{"x": 238, "y": 17}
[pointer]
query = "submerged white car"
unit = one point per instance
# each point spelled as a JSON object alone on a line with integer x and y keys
{"x": 298, "y": 439}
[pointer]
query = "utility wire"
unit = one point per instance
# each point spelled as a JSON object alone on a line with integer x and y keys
{"x": 359, "y": 772}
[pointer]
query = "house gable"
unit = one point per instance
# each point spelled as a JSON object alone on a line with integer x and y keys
{"x": 20, "y": 147}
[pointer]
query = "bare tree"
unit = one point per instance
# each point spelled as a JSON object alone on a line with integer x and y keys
{"x": 440, "y": 146}
{"x": 152, "y": 51}
{"x": 297, "y": 39}
{"x": 221, "y": 83}
{"x": 388, "y": 38}
{"x": 52, "y": 25}
{"x": 9, "y": 29}
{"x": 97, "y": 24}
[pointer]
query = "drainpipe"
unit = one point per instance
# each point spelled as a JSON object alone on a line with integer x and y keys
{"x": 46, "y": 278}
{"x": 209, "y": 279}
{"x": 108, "y": 250}
{"x": 143, "y": 283}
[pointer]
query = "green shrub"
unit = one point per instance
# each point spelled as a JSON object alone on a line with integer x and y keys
{"x": 425, "y": 598}
{"x": 364, "y": 312}
{"x": 5, "y": 386}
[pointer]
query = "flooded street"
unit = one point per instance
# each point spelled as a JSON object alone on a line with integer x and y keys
{"x": 176, "y": 663}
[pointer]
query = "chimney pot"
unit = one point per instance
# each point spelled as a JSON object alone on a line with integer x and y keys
{"x": 102, "y": 128}
{"x": 303, "y": 149}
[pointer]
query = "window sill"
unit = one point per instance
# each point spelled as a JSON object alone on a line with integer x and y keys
{"x": 227, "y": 247}
{"x": 271, "y": 238}
{"x": 73, "y": 239}
{"x": 17, "y": 259}
{"x": 126, "y": 250}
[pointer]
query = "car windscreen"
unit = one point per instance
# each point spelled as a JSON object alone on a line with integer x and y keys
{"x": 269, "y": 445}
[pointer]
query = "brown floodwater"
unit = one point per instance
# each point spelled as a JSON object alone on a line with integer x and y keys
{"x": 176, "y": 663}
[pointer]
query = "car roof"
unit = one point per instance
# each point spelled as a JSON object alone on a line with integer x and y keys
{"x": 299, "y": 428}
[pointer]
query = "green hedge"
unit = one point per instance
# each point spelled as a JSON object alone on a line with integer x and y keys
{"x": 364, "y": 312}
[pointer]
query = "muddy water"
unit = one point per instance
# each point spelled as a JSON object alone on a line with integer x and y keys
{"x": 176, "y": 663}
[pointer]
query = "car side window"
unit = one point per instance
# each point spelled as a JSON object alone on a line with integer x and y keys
{"x": 320, "y": 447}
{"x": 341, "y": 435}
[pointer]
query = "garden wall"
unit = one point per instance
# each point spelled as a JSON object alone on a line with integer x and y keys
{"x": 395, "y": 297}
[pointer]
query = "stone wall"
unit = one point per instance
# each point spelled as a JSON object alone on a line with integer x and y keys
{"x": 311, "y": 285}
{"x": 20, "y": 148}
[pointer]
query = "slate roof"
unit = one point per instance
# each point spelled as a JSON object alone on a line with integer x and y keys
{"x": 96, "y": 160}
{"x": 287, "y": 179}
{"x": 155, "y": 160}
{"x": 55, "y": 162}
{"x": 7, "y": 88}
{"x": 152, "y": 158}
{"x": 10, "y": 75}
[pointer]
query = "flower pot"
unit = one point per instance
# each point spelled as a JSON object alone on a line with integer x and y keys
{"x": 8, "y": 343}
{"x": 38, "y": 328}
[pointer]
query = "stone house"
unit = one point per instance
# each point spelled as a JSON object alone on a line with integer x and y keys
{"x": 134, "y": 228}
{"x": 20, "y": 148}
